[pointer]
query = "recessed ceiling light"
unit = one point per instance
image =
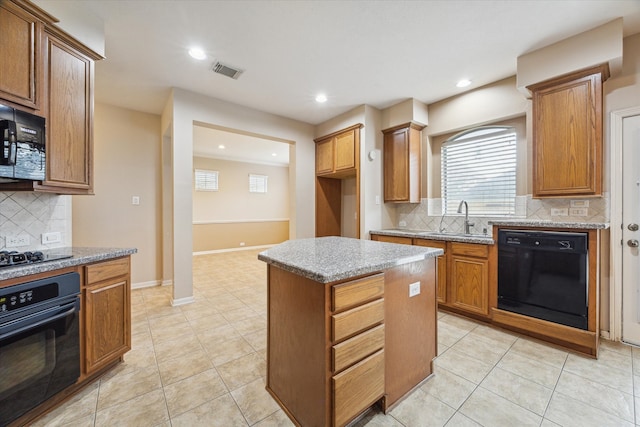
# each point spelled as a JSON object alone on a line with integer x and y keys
{"x": 321, "y": 97}
{"x": 274, "y": 154}
{"x": 221, "y": 147}
{"x": 463, "y": 83}
{"x": 197, "y": 53}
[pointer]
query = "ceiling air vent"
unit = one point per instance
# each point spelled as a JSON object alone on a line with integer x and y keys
{"x": 225, "y": 70}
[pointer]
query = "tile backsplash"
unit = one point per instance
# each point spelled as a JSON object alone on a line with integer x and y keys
{"x": 427, "y": 215}
{"x": 27, "y": 215}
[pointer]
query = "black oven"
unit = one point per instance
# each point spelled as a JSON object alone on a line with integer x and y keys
{"x": 544, "y": 275}
{"x": 39, "y": 342}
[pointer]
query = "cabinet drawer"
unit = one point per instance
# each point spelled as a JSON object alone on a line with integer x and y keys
{"x": 357, "y": 388}
{"x": 431, "y": 244}
{"x": 357, "y": 319}
{"x": 392, "y": 239}
{"x": 352, "y": 293}
{"x": 106, "y": 270}
{"x": 354, "y": 349}
{"x": 470, "y": 249}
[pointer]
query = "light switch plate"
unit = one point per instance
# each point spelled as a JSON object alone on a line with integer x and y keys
{"x": 579, "y": 203}
{"x": 579, "y": 212}
{"x": 53, "y": 237}
{"x": 559, "y": 212}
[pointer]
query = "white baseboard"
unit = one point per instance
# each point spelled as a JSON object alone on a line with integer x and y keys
{"x": 605, "y": 335}
{"x": 244, "y": 248}
{"x": 182, "y": 301}
{"x": 142, "y": 285}
{"x": 167, "y": 282}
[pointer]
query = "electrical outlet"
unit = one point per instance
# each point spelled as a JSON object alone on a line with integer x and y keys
{"x": 17, "y": 241}
{"x": 377, "y": 199}
{"x": 135, "y": 200}
{"x": 579, "y": 212}
{"x": 402, "y": 223}
{"x": 53, "y": 237}
{"x": 559, "y": 212}
{"x": 414, "y": 289}
{"x": 241, "y": 243}
{"x": 579, "y": 203}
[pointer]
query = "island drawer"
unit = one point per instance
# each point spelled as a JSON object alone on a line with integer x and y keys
{"x": 357, "y": 388}
{"x": 470, "y": 249}
{"x": 357, "y": 319}
{"x": 355, "y": 292}
{"x": 357, "y": 348}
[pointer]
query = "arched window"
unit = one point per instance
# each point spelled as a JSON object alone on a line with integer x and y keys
{"x": 479, "y": 166}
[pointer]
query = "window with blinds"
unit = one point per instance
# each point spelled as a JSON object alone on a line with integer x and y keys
{"x": 206, "y": 180}
{"x": 257, "y": 183}
{"x": 479, "y": 166}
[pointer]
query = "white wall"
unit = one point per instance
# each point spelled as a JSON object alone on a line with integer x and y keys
{"x": 126, "y": 164}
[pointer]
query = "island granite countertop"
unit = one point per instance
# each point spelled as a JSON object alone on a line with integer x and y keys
{"x": 78, "y": 255}
{"x": 330, "y": 259}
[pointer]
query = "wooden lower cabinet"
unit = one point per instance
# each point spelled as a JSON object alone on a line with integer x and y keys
{"x": 469, "y": 284}
{"x": 107, "y": 313}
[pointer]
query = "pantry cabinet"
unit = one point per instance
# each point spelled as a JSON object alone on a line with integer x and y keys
{"x": 50, "y": 74}
{"x": 402, "y": 163}
{"x": 567, "y": 134}
{"x": 107, "y": 313}
{"x": 337, "y": 153}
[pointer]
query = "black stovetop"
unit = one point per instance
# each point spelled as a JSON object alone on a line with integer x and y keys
{"x": 14, "y": 258}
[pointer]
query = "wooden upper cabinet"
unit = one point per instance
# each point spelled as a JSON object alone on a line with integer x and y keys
{"x": 20, "y": 66}
{"x": 402, "y": 162}
{"x": 337, "y": 154}
{"x": 567, "y": 134}
{"x": 69, "y": 89}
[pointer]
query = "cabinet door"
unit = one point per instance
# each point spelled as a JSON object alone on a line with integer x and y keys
{"x": 441, "y": 267}
{"x": 567, "y": 136}
{"x": 469, "y": 284}
{"x": 19, "y": 67}
{"x": 107, "y": 314}
{"x": 324, "y": 157}
{"x": 69, "y": 82}
{"x": 396, "y": 166}
{"x": 345, "y": 151}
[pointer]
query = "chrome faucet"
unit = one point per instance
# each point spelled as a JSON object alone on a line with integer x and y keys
{"x": 467, "y": 224}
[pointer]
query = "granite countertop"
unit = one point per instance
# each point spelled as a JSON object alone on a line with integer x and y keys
{"x": 79, "y": 256}
{"x": 482, "y": 239}
{"x": 551, "y": 224}
{"x": 329, "y": 259}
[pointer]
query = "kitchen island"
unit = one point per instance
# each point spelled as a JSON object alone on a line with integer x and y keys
{"x": 350, "y": 323}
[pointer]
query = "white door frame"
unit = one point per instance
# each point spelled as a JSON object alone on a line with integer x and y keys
{"x": 615, "y": 256}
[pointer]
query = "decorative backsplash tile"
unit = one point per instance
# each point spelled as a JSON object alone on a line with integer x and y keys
{"x": 427, "y": 215}
{"x": 28, "y": 215}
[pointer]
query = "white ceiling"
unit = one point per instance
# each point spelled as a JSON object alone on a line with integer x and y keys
{"x": 238, "y": 147}
{"x": 357, "y": 52}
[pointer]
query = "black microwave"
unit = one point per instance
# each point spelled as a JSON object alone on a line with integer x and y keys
{"x": 22, "y": 145}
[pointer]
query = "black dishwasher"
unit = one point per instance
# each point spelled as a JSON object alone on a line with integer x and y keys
{"x": 544, "y": 275}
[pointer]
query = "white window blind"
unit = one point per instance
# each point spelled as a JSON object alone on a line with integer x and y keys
{"x": 257, "y": 183}
{"x": 206, "y": 180}
{"x": 479, "y": 166}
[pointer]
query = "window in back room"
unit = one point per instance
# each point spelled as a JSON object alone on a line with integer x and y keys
{"x": 479, "y": 166}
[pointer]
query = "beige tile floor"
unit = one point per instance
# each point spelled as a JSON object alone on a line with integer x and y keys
{"x": 203, "y": 364}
